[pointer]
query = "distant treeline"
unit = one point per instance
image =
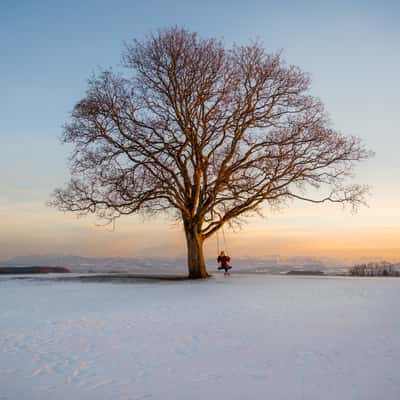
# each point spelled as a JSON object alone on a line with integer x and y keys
{"x": 383, "y": 268}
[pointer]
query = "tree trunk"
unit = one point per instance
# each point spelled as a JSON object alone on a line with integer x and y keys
{"x": 194, "y": 242}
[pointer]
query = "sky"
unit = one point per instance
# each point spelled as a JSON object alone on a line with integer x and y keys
{"x": 49, "y": 50}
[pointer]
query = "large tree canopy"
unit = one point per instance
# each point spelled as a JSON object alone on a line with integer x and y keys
{"x": 208, "y": 132}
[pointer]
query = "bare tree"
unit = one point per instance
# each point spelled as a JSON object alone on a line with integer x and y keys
{"x": 206, "y": 132}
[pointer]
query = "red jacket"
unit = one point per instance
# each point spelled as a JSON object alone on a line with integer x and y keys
{"x": 224, "y": 260}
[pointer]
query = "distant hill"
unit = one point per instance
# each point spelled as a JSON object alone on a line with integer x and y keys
{"x": 32, "y": 270}
{"x": 269, "y": 264}
{"x": 100, "y": 264}
{"x": 304, "y": 272}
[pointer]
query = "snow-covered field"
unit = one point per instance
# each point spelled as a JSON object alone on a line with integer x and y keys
{"x": 225, "y": 338}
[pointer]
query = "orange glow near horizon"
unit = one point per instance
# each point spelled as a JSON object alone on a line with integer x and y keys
{"x": 321, "y": 232}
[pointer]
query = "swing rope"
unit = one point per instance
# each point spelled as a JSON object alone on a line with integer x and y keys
{"x": 217, "y": 242}
{"x": 218, "y": 247}
{"x": 223, "y": 230}
{"x": 223, "y": 235}
{"x": 224, "y": 239}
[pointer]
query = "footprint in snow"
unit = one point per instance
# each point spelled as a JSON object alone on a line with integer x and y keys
{"x": 102, "y": 383}
{"x": 43, "y": 370}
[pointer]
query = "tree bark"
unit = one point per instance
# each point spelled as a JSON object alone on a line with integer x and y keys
{"x": 194, "y": 242}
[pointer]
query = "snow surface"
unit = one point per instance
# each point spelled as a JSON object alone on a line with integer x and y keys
{"x": 225, "y": 338}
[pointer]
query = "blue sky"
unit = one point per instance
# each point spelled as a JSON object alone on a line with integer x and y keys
{"x": 49, "y": 49}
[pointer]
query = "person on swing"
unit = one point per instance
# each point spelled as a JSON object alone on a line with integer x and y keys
{"x": 224, "y": 260}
